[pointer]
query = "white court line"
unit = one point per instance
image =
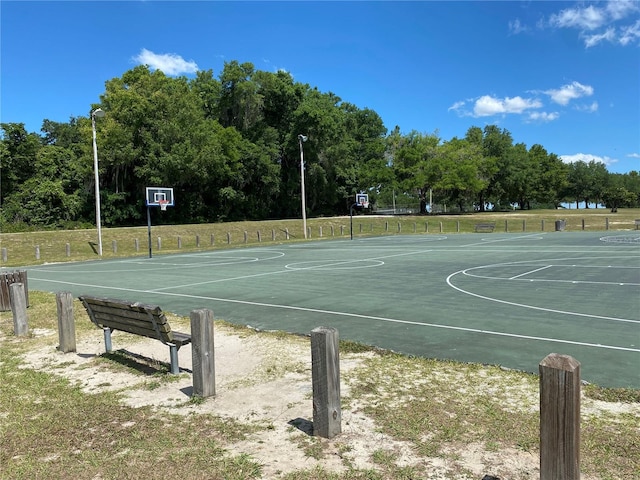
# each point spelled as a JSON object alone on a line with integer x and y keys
{"x": 369, "y": 317}
{"x": 503, "y": 239}
{"x": 531, "y": 307}
{"x": 530, "y": 272}
{"x": 287, "y": 269}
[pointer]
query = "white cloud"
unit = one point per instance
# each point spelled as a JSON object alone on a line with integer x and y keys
{"x": 634, "y": 155}
{"x": 487, "y": 105}
{"x": 630, "y": 33}
{"x": 543, "y": 117}
{"x": 586, "y": 158}
{"x": 588, "y": 108}
{"x": 592, "y": 40}
{"x": 597, "y": 22}
{"x": 588, "y": 18}
{"x": 566, "y": 93}
{"x": 168, "y": 63}
{"x": 516, "y": 27}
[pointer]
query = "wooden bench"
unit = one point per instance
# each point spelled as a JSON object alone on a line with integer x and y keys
{"x": 485, "y": 227}
{"x": 137, "y": 318}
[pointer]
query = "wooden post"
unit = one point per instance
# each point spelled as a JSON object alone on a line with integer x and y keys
{"x": 259, "y": 237}
{"x": 542, "y": 225}
{"x": 457, "y": 226}
{"x": 506, "y": 225}
{"x": 19, "y": 309}
{"x": 360, "y": 228}
{"x": 426, "y": 227}
{"x": 202, "y": 353}
{"x": 559, "y": 418}
{"x": 197, "y": 241}
{"x": 179, "y": 242}
{"x": 4, "y": 255}
{"x": 273, "y": 235}
{"x": 213, "y": 240}
{"x": 524, "y": 225}
{"x": 308, "y": 232}
{"x": 325, "y": 374}
{"x": 286, "y": 233}
{"x": 245, "y": 236}
{"x": 67, "y": 249}
{"x": 228, "y": 238}
{"x": 606, "y": 223}
{"x": 341, "y": 230}
{"x": 399, "y": 227}
{"x": 386, "y": 226}
{"x": 66, "y": 325}
{"x": 159, "y": 243}
{"x": 136, "y": 244}
{"x": 440, "y": 227}
{"x": 6, "y": 279}
{"x": 583, "y": 224}
{"x": 114, "y": 246}
{"x": 333, "y": 234}
{"x": 37, "y": 252}
{"x": 320, "y": 231}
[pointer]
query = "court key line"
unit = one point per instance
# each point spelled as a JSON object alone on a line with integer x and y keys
{"x": 532, "y": 307}
{"x": 356, "y": 315}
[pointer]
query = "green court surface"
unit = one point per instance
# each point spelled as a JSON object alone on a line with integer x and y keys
{"x": 498, "y": 298}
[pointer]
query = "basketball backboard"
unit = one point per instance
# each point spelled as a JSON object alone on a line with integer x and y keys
{"x": 157, "y": 195}
{"x": 362, "y": 200}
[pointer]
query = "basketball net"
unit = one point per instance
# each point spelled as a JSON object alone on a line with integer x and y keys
{"x": 163, "y": 205}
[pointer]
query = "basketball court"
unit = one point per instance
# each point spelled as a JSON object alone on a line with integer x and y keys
{"x": 499, "y": 298}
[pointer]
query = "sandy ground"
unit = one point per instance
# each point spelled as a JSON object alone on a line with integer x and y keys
{"x": 264, "y": 379}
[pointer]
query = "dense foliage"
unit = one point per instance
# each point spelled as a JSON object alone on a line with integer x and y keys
{"x": 229, "y": 147}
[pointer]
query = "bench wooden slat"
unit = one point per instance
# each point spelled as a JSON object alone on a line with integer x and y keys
{"x": 140, "y": 319}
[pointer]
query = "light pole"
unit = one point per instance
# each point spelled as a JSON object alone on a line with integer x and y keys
{"x": 301, "y": 139}
{"x": 98, "y": 112}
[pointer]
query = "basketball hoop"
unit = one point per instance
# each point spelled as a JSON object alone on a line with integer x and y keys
{"x": 163, "y": 204}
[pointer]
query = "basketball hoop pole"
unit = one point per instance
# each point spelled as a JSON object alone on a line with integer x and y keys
{"x": 149, "y": 227}
{"x": 351, "y": 218}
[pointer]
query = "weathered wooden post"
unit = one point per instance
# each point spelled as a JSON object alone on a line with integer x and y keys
{"x": 506, "y": 225}
{"x": 559, "y": 418}
{"x": 67, "y": 249}
{"x": 259, "y": 237}
{"x": 159, "y": 243}
{"x": 606, "y": 223}
{"x": 136, "y": 244}
{"x": 341, "y": 230}
{"x": 19, "y": 309}
{"x": 273, "y": 235}
{"x": 213, "y": 240}
{"x": 524, "y": 225}
{"x": 333, "y": 233}
{"x": 426, "y": 227}
{"x": 440, "y": 227}
{"x": 286, "y": 233}
{"x": 542, "y": 225}
{"x": 37, "y": 252}
{"x": 308, "y": 232}
{"x": 179, "y": 242}
{"x": 246, "y": 235}
{"x": 228, "y": 238}
{"x": 325, "y": 374}
{"x": 320, "y": 231}
{"x": 583, "y": 224}
{"x": 5, "y": 257}
{"x": 202, "y": 353}
{"x": 66, "y": 325}
{"x": 114, "y": 246}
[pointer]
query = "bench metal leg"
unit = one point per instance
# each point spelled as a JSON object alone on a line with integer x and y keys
{"x": 173, "y": 353}
{"x": 107, "y": 339}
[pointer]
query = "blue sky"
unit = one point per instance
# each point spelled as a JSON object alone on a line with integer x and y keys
{"x": 565, "y": 75}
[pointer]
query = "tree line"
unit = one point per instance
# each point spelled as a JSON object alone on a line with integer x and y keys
{"x": 229, "y": 147}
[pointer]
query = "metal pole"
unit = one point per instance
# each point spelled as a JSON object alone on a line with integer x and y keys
{"x": 97, "y": 178}
{"x": 351, "y": 218}
{"x": 302, "y": 138}
{"x": 149, "y": 228}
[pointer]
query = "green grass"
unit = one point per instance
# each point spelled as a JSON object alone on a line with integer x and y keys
{"x": 52, "y": 245}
